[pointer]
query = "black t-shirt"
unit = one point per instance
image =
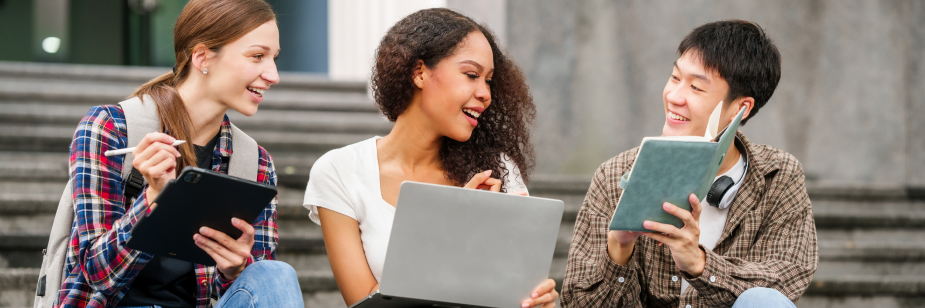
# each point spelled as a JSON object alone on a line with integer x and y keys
{"x": 167, "y": 282}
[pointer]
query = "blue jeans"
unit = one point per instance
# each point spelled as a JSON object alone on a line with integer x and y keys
{"x": 264, "y": 284}
{"x": 762, "y": 297}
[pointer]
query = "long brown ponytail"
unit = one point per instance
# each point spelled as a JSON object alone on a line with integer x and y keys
{"x": 213, "y": 23}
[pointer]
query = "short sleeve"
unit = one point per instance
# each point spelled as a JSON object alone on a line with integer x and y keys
{"x": 327, "y": 186}
{"x": 514, "y": 181}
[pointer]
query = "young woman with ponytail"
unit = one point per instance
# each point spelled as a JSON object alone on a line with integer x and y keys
{"x": 225, "y": 59}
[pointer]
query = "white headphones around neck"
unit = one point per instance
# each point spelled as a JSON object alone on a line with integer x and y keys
{"x": 724, "y": 184}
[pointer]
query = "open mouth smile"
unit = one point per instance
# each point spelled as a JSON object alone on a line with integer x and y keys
{"x": 677, "y": 117}
{"x": 473, "y": 114}
{"x": 256, "y": 91}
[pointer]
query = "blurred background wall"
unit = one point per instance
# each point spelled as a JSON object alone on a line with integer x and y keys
{"x": 849, "y": 105}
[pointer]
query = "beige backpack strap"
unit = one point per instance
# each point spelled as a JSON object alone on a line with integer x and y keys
{"x": 51, "y": 275}
{"x": 244, "y": 155}
{"x": 140, "y": 119}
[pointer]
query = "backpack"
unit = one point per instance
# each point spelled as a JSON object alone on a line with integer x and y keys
{"x": 141, "y": 119}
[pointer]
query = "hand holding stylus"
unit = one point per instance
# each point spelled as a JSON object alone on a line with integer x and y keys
{"x": 130, "y": 150}
{"x": 156, "y": 159}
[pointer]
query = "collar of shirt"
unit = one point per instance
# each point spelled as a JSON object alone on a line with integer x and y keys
{"x": 224, "y": 147}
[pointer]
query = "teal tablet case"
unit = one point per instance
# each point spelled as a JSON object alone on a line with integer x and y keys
{"x": 669, "y": 171}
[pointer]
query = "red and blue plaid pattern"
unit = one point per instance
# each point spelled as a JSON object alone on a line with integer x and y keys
{"x": 99, "y": 267}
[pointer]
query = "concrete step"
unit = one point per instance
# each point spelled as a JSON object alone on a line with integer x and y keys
{"x": 873, "y": 283}
{"x": 894, "y": 245}
{"x": 134, "y": 75}
{"x": 867, "y": 285}
{"x": 330, "y": 299}
{"x": 21, "y": 168}
{"x": 23, "y": 233}
{"x": 40, "y": 198}
{"x": 833, "y": 280}
{"x": 830, "y": 268}
{"x": 265, "y": 120}
{"x": 90, "y": 93}
{"x": 831, "y": 214}
{"x": 100, "y": 84}
{"x": 19, "y": 250}
{"x": 302, "y": 239}
{"x": 18, "y": 285}
{"x": 579, "y": 185}
{"x": 27, "y": 212}
{"x": 52, "y": 166}
{"x": 320, "y": 287}
{"x": 313, "y": 121}
{"x": 850, "y": 301}
{"x": 57, "y": 138}
{"x": 34, "y": 166}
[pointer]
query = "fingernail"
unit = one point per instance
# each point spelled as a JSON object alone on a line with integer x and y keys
{"x": 196, "y": 237}
{"x": 647, "y": 224}
{"x": 487, "y": 172}
{"x": 666, "y": 206}
{"x": 202, "y": 230}
{"x": 535, "y": 295}
{"x": 525, "y": 305}
{"x": 234, "y": 220}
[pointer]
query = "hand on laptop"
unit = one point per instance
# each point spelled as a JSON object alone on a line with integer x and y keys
{"x": 484, "y": 181}
{"x": 544, "y": 295}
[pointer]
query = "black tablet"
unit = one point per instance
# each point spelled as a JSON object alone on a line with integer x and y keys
{"x": 198, "y": 198}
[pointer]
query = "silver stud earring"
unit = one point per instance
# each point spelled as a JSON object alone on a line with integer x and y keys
{"x": 205, "y": 71}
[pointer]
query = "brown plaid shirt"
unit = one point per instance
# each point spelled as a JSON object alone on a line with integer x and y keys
{"x": 769, "y": 240}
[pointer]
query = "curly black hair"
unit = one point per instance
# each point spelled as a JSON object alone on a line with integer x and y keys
{"x": 432, "y": 35}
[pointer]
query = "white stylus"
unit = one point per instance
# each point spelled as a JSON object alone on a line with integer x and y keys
{"x": 132, "y": 149}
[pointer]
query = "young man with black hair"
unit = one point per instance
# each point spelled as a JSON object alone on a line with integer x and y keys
{"x": 754, "y": 246}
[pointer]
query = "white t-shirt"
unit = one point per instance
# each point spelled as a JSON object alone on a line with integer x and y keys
{"x": 713, "y": 219}
{"x": 346, "y": 180}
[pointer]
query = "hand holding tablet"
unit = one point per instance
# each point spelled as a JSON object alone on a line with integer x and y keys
{"x": 199, "y": 198}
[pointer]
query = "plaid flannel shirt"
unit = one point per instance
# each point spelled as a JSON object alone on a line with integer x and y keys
{"x": 769, "y": 240}
{"x": 99, "y": 267}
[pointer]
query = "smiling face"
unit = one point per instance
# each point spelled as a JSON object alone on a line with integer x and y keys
{"x": 690, "y": 96}
{"x": 244, "y": 69}
{"x": 455, "y": 92}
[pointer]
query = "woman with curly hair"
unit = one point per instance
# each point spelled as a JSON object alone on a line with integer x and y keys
{"x": 461, "y": 110}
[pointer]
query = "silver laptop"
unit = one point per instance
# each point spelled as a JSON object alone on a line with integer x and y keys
{"x": 456, "y": 247}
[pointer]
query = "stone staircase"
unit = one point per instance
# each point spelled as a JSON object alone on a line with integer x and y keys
{"x": 872, "y": 241}
{"x": 41, "y": 104}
